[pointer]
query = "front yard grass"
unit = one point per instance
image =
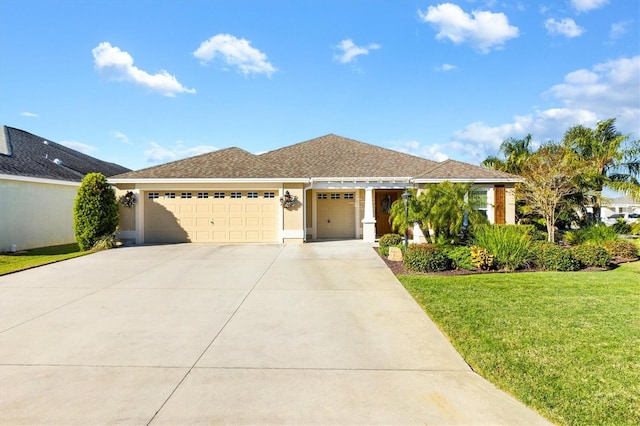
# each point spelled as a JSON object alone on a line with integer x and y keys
{"x": 37, "y": 257}
{"x": 566, "y": 344}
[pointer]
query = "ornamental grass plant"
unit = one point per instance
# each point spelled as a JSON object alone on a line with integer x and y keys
{"x": 509, "y": 244}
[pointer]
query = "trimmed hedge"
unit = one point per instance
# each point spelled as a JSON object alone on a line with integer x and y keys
{"x": 426, "y": 258}
{"x": 95, "y": 212}
{"x": 555, "y": 258}
{"x": 388, "y": 240}
{"x": 591, "y": 256}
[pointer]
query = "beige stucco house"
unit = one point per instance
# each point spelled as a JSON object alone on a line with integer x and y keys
{"x": 343, "y": 189}
{"x": 39, "y": 180}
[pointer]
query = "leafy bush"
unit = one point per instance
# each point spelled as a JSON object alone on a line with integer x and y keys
{"x": 622, "y": 248}
{"x": 460, "y": 256}
{"x": 95, "y": 212}
{"x": 388, "y": 240}
{"x": 552, "y": 257}
{"x": 481, "y": 258}
{"x": 596, "y": 234}
{"x": 590, "y": 255}
{"x": 510, "y": 244}
{"x": 635, "y": 228}
{"x": 621, "y": 227}
{"x": 426, "y": 258}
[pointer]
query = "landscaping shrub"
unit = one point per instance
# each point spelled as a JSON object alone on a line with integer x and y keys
{"x": 426, "y": 258}
{"x": 621, "y": 227}
{"x": 481, "y": 258}
{"x": 510, "y": 244}
{"x": 621, "y": 248}
{"x": 589, "y": 255}
{"x": 388, "y": 240}
{"x": 596, "y": 234}
{"x": 552, "y": 257}
{"x": 460, "y": 257}
{"x": 95, "y": 212}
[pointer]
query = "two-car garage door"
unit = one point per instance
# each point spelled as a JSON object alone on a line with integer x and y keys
{"x": 210, "y": 216}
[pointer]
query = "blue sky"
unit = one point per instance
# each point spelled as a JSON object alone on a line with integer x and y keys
{"x": 145, "y": 82}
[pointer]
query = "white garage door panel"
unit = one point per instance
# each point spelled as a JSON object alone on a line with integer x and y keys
{"x": 211, "y": 219}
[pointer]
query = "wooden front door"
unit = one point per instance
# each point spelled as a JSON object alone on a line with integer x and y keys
{"x": 384, "y": 199}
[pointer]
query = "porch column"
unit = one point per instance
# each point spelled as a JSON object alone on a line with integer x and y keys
{"x": 368, "y": 222}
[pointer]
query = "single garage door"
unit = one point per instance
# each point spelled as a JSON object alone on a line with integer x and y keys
{"x": 335, "y": 214}
{"x": 211, "y": 216}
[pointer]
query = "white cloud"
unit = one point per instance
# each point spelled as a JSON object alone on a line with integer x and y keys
{"x": 587, "y": 5}
{"x": 608, "y": 90}
{"x": 618, "y": 29}
{"x": 483, "y": 30}
{"x": 121, "y": 136}
{"x": 566, "y": 27}
{"x": 350, "y": 51}
{"x": 120, "y": 64}
{"x": 446, "y": 67}
{"x": 236, "y": 52}
{"x": 432, "y": 152}
{"x": 79, "y": 146}
{"x": 29, "y": 114}
{"x": 159, "y": 154}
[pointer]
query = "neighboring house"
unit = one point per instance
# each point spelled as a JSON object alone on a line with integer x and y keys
{"x": 38, "y": 181}
{"x": 344, "y": 189}
{"x": 624, "y": 204}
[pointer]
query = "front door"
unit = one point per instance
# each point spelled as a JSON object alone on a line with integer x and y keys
{"x": 384, "y": 199}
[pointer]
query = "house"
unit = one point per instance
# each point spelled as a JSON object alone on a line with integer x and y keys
{"x": 339, "y": 188}
{"x": 39, "y": 180}
{"x": 619, "y": 205}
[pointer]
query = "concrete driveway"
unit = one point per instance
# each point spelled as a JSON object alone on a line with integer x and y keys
{"x": 319, "y": 333}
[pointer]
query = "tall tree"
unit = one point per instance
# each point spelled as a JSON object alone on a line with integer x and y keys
{"x": 612, "y": 160}
{"x": 552, "y": 178}
{"x": 515, "y": 153}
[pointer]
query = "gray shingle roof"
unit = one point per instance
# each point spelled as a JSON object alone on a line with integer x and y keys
{"x": 27, "y": 155}
{"x": 231, "y": 163}
{"x": 329, "y": 156}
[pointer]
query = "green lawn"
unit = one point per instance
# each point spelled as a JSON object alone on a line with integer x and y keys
{"x": 37, "y": 257}
{"x": 565, "y": 343}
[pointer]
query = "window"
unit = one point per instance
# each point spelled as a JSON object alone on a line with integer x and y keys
{"x": 322, "y": 196}
{"x": 218, "y": 195}
{"x": 348, "y": 196}
{"x": 152, "y": 195}
{"x": 236, "y": 195}
{"x": 185, "y": 195}
{"x": 203, "y": 195}
{"x": 169, "y": 195}
{"x": 335, "y": 196}
{"x": 269, "y": 195}
{"x": 252, "y": 195}
{"x": 479, "y": 200}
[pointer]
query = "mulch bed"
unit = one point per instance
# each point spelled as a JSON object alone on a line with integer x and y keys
{"x": 398, "y": 268}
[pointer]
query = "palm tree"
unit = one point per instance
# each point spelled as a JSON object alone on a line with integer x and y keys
{"x": 516, "y": 152}
{"x": 612, "y": 160}
{"x": 443, "y": 210}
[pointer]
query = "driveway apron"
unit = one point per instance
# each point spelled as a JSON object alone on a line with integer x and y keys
{"x": 319, "y": 333}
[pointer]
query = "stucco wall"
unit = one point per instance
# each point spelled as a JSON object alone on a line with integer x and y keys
{"x": 293, "y": 218}
{"x": 34, "y": 214}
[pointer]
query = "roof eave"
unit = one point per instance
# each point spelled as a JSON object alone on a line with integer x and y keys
{"x": 207, "y": 180}
{"x": 370, "y": 179}
{"x": 468, "y": 180}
